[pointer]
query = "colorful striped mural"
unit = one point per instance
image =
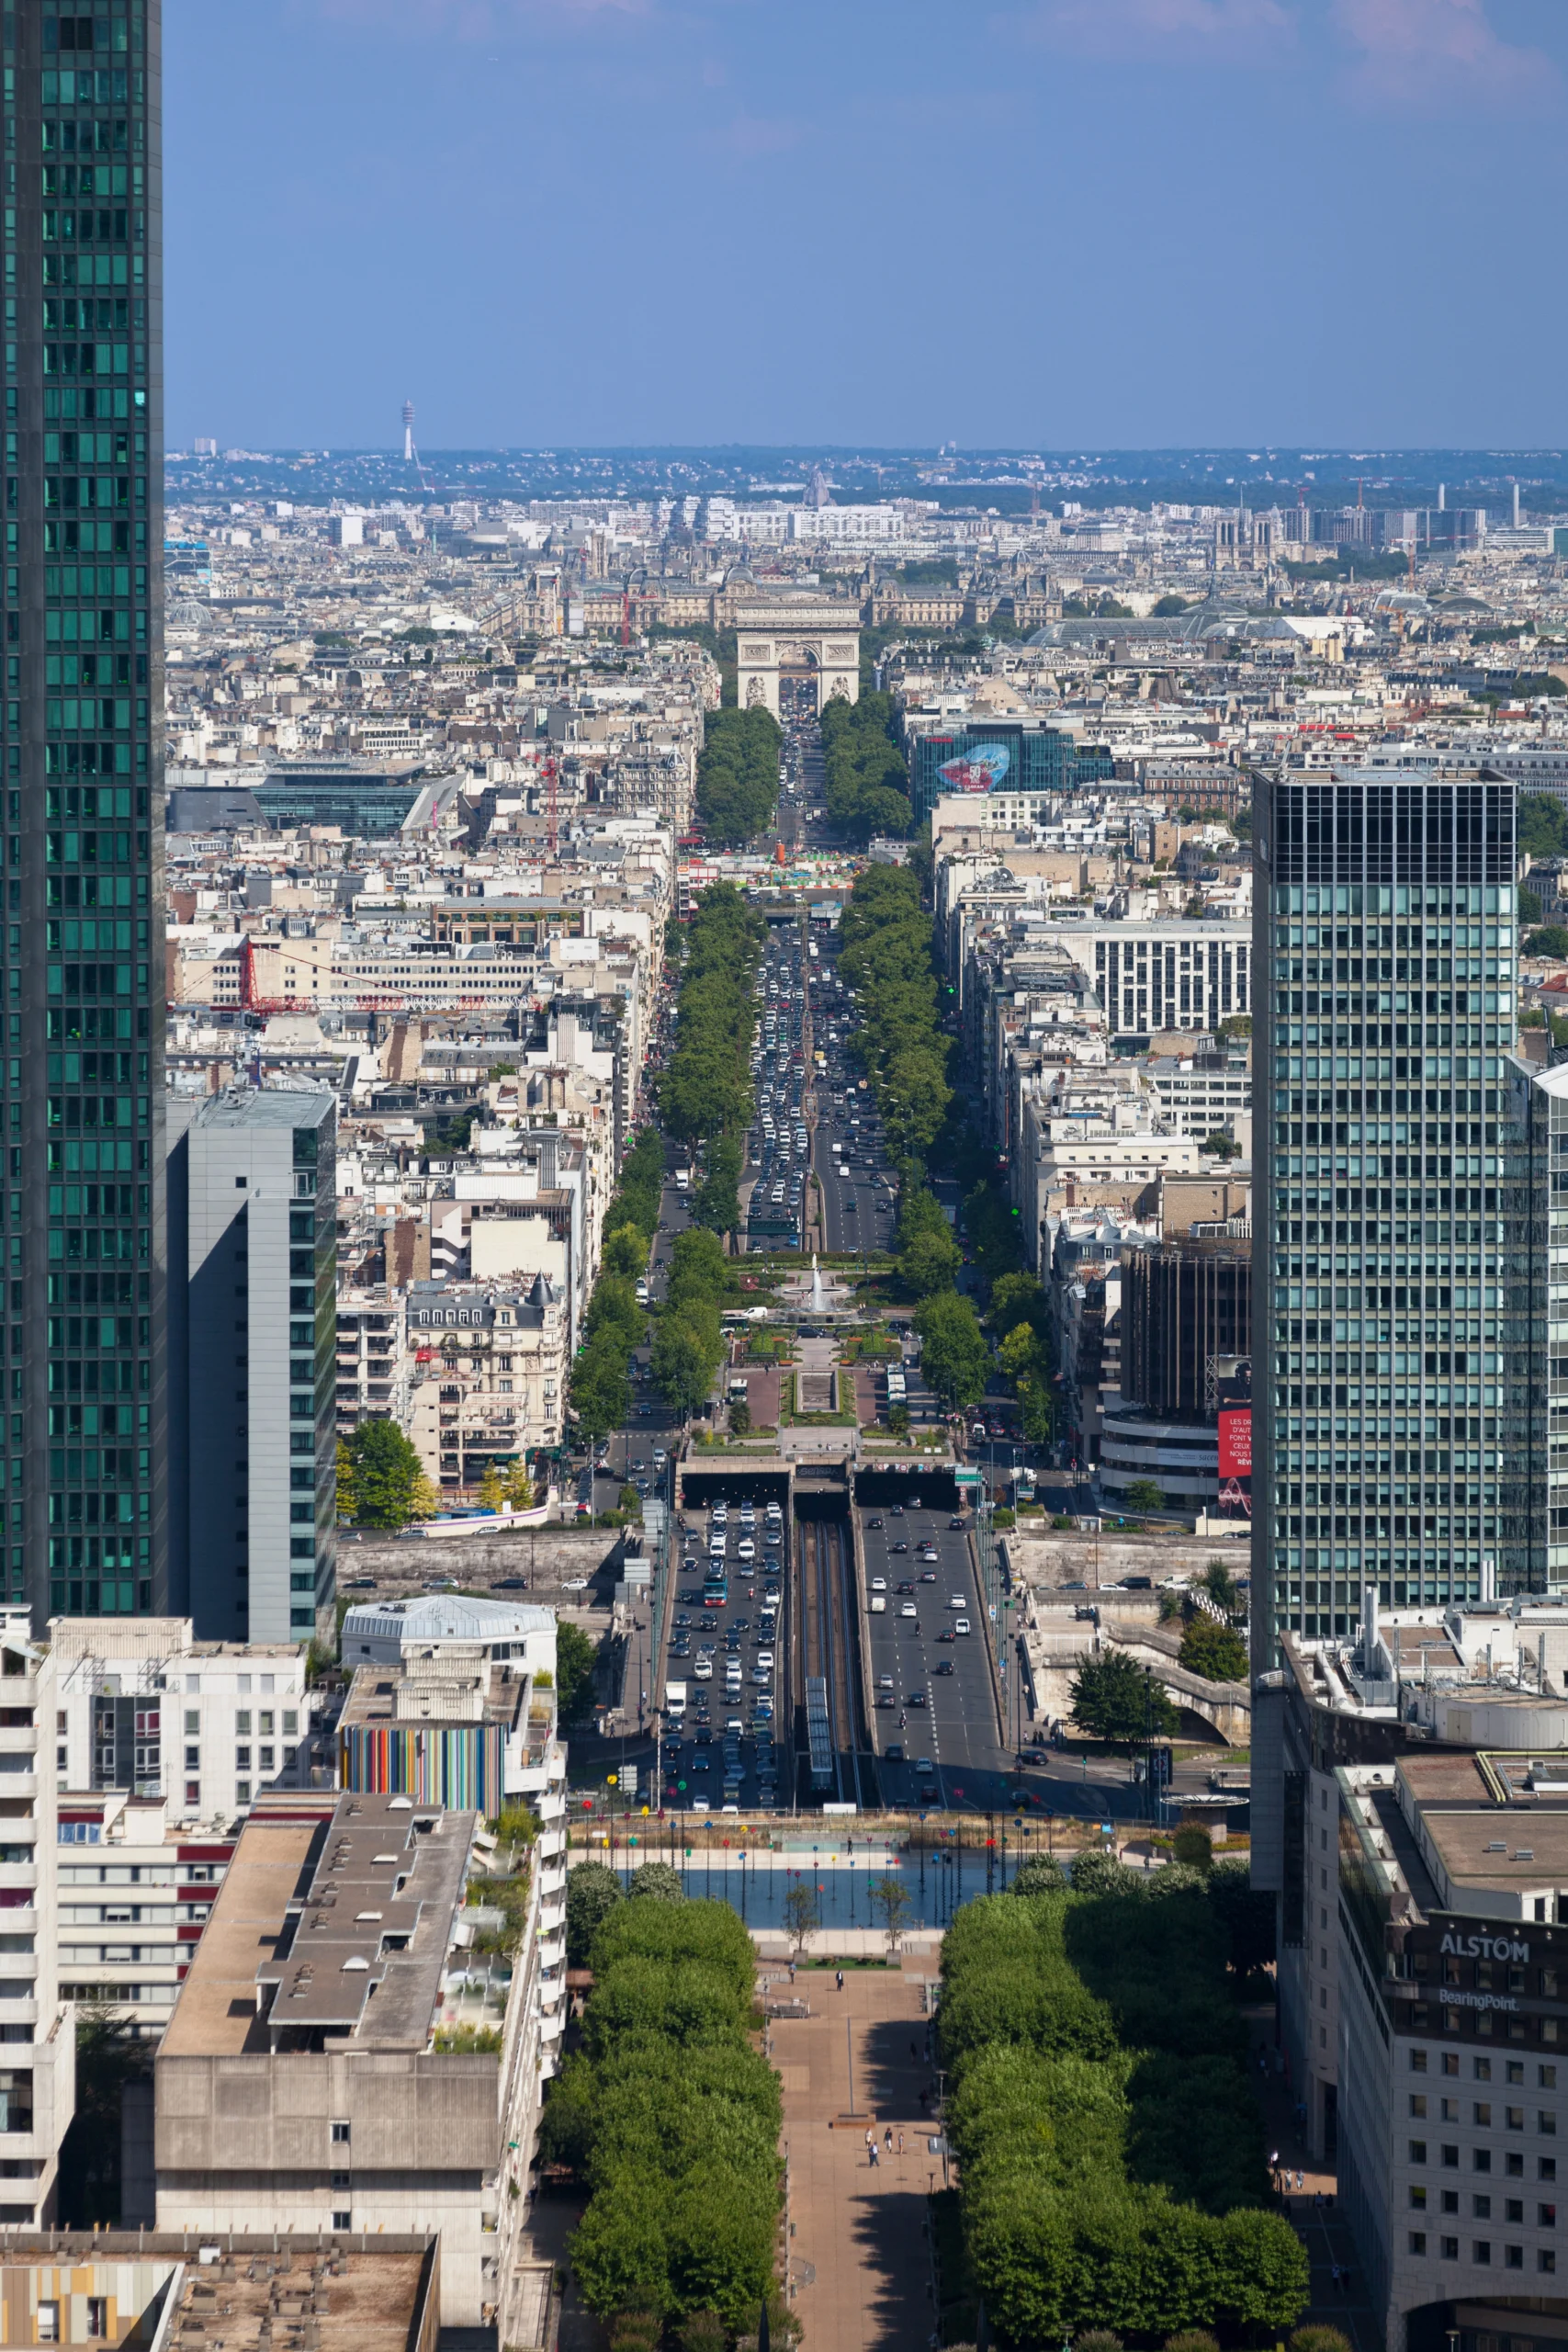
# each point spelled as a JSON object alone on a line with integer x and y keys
{"x": 460, "y": 1767}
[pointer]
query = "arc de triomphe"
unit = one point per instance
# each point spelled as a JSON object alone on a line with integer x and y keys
{"x": 820, "y": 640}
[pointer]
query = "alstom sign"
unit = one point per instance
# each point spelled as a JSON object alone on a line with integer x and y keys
{"x": 1485, "y": 1947}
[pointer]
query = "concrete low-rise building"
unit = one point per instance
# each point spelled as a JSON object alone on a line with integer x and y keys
{"x": 340, "y": 2060}
{"x": 389, "y": 1633}
{"x": 145, "y": 2292}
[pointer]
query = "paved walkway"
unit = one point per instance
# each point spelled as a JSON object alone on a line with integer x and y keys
{"x": 859, "y": 2239}
{"x": 551, "y": 2222}
{"x": 761, "y": 1393}
{"x": 1314, "y": 2206}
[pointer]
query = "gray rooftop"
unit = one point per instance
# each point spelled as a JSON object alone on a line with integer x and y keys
{"x": 338, "y": 1923}
{"x": 267, "y": 1107}
{"x": 445, "y": 1617}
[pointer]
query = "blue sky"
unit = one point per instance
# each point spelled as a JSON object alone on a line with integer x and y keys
{"x": 1008, "y": 223}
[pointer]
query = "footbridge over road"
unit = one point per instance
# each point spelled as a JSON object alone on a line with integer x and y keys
{"x": 1057, "y": 1638}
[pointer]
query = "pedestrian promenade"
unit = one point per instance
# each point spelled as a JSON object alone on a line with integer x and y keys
{"x": 859, "y": 2251}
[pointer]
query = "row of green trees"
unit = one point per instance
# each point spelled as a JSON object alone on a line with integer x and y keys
{"x": 738, "y": 776}
{"x": 613, "y": 1326}
{"x": 953, "y": 1355}
{"x": 867, "y": 776}
{"x": 672, "y": 2118}
{"x": 886, "y": 956}
{"x": 637, "y": 1196}
{"x": 688, "y": 1338}
{"x": 706, "y": 1092}
{"x": 1110, "y": 2151}
{"x": 991, "y": 1225}
{"x": 928, "y": 1256}
{"x": 1020, "y": 1322}
{"x": 705, "y": 1096}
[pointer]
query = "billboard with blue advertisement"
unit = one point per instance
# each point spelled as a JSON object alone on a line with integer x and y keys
{"x": 1001, "y": 757}
{"x": 981, "y": 769}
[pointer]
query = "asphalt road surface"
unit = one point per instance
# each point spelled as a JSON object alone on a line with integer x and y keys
{"x": 735, "y": 1745}
{"x": 848, "y": 1150}
{"x": 939, "y": 1679}
{"x": 777, "y": 1145}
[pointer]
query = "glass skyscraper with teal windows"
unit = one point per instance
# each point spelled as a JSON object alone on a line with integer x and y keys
{"x": 1384, "y": 1004}
{"x": 85, "y": 1502}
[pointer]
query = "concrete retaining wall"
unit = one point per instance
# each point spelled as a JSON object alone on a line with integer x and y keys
{"x": 547, "y": 1556}
{"x": 1057, "y": 1556}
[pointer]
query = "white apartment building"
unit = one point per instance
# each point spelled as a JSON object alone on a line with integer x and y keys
{"x": 204, "y": 1727}
{"x": 1165, "y": 973}
{"x": 1079, "y": 1130}
{"x": 38, "y": 2062}
{"x": 135, "y": 1891}
{"x": 731, "y": 520}
{"x": 1204, "y": 1097}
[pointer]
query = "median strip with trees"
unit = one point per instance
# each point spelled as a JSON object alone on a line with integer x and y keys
{"x": 865, "y": 776}
{"x": 738, "y": 776}
{"x": 886, "y": 958}
{"x": 1109, "y": 2147}
{"x": 670, "y": 2115}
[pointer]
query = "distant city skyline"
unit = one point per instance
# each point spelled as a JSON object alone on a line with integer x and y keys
{"x": 1145, "y": 222}
{"x": 1011, "y": 481}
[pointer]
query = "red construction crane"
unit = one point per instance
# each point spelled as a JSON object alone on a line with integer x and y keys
{"x": 250, "y": 1001}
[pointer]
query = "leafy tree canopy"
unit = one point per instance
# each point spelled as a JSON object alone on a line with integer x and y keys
{"x": 1214, "y": 1650}
{"x": 1543, "y": 825}
{"x": 381, "y": 1481}
{"x": 953, "y": 1347}
{"x": 1114, "y": 1699}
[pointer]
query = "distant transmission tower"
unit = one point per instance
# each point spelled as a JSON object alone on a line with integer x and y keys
{"x": 411, "y": 455}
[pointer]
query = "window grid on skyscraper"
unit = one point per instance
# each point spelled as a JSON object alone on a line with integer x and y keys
{"x": 1385, "y": 970}
{"x": 82, "y": 752}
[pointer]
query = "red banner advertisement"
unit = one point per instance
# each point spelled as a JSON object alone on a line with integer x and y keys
{"x": 1235, "y": 1442}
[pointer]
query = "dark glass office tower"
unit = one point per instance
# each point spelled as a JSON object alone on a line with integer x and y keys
{"x": 1384, "y": 926}
{"x": 83, "y": 756}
